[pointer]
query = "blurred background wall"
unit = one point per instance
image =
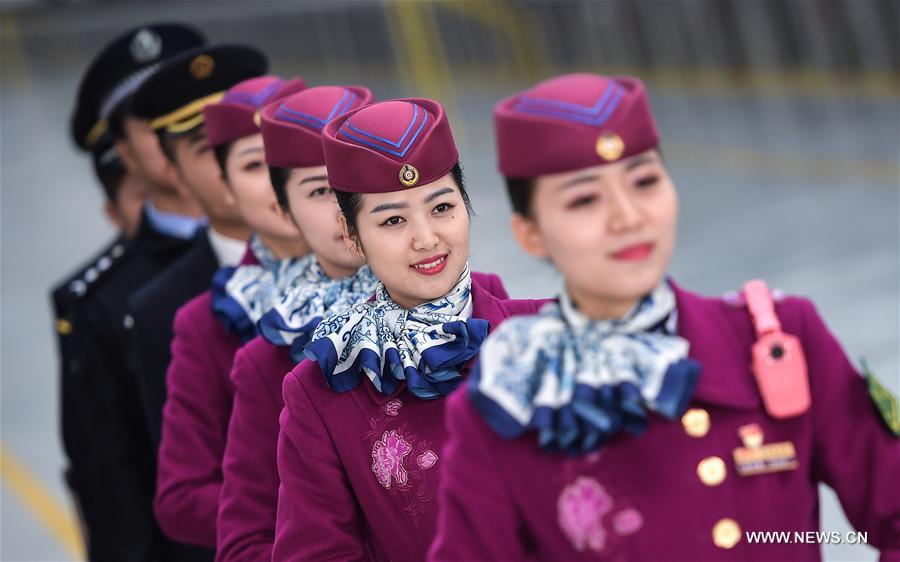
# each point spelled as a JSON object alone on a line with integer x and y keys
{"x": 779, "y": 120}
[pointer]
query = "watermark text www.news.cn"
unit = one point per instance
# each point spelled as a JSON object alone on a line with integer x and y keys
{"x": 807, "y": 537}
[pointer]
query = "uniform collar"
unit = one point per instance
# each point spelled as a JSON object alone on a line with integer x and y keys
{"x": 172, "y": 224}
{"x": 150, "y": 239}
{"x": 228, "y": 251}
{"x": 724, "y": 356}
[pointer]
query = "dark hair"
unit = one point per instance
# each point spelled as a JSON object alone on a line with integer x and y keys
{"x": 520, "y": 192}
{"x": 279, "y": 177}
{"x": 166, "y": 138}
{"x": 351, "y": 202}
{"x": 166, "y": 146}
{"x": 115, "y": 121}
{"x": 111, "y": 173}
{"x": 221, "y": 151}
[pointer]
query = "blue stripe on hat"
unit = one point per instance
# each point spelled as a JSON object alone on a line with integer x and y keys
{"x": 595, "y": 115}
{"x": 287, "y": 114}
{"x": 402, "y": 152}
{"x": 256, "y": 99}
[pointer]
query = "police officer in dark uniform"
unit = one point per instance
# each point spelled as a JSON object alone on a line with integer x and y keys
{"x": 118, "y": 475}
{"x": 74, "y": 394}
{"x": 173, "y": 101}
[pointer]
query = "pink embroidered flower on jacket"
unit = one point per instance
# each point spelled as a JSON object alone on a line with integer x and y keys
{"x": 628, "y": 521}
{"x": 581, "y": 506}
{"x": 387, "y": 458}
{"x": 427, "y": 459}
{"x": 392, "y": 408}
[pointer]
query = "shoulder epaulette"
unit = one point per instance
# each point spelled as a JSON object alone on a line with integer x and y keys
{"x": 81, "y": 285}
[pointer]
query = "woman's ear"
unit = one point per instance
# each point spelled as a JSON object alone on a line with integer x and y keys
{"x": 349, "y": 239}
{"x": 528, "y": 235}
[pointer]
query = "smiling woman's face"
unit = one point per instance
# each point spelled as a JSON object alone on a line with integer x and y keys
{"x": 416, "y": 241}
{"x": 610, "y": 230}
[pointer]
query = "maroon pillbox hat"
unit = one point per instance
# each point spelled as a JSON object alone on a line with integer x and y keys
{"x": 234, "y": 116}
{"x": 389, "y": 146}
{"x": 292, "y": 127}
{"x": 572, "y": 122}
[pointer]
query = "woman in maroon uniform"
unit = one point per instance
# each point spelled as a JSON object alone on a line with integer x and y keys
{"x": 362, "y": 428}
{"x": 211, "y": 327}
{"x": 688, "y": 421}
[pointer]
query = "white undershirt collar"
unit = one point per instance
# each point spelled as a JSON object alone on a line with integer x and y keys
{"x": 229, "y": 251}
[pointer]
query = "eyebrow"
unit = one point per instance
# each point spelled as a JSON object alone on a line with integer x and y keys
{"x": 249, "y": 150}
{"x": 587, "y": 178}
{"x": 638, "y": 161}
{"x": 392, "y": 206}
{"x": 389, "y": 207}
{"x": 438, "y": 193}
{"x": 313, "y": 178}
{"x": 645, "y": 159}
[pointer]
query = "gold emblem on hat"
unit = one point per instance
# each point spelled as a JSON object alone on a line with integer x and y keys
{"x": 409, "y": 175}
{"x": 202, "y": 66}
{"x": 257, "y": 118}
{"x": 610, "y": 146}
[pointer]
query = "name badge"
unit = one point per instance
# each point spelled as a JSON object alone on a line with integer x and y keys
{"x": 758, "y": 458}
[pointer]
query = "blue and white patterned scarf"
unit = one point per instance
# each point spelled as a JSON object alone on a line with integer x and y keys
{"x": 242, "y": 294}
{"x": 426, "y": 345}
{"x": 293, "y": 319}
{"x": 579, "y": 382}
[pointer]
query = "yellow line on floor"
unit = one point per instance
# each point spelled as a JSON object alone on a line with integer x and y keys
{"x": 35, "y": 497}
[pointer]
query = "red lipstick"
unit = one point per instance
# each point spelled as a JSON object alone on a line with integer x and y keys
{"x": 430, "y": 266}
{"x": 638, "y": 252}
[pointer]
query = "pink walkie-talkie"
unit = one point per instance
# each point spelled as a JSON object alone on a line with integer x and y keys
{"x": 779, "y": 364}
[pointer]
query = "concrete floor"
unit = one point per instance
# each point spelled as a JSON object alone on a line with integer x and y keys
{"x": 800, "y": 190}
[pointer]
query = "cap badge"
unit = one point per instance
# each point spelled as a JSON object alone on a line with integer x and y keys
{"x": 610, "y": 146}
{"x": 201, "y": 67}
{"x": 146, "y": 46}
{"x": 409, "y": 175}
{"x": 257, "y": 117}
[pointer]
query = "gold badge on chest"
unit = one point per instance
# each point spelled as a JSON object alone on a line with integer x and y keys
{"x": 755, "y": 457}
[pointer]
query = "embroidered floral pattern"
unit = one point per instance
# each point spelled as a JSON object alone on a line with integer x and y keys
{"x": 628, "y": 521}
{"x": 427, "y": 459}
{"x": 392, "y": 408}
{"x": 580, "y": 507}
{"x": 415, "y": 493}
{"x": 387, "y": 459}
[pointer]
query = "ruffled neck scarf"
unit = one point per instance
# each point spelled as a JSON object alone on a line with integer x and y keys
{"x": 242, "y": 294}
{"x": 425, "y": 346}
{"x": 291, "y": 322}
{"x": 580, "y": 382}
